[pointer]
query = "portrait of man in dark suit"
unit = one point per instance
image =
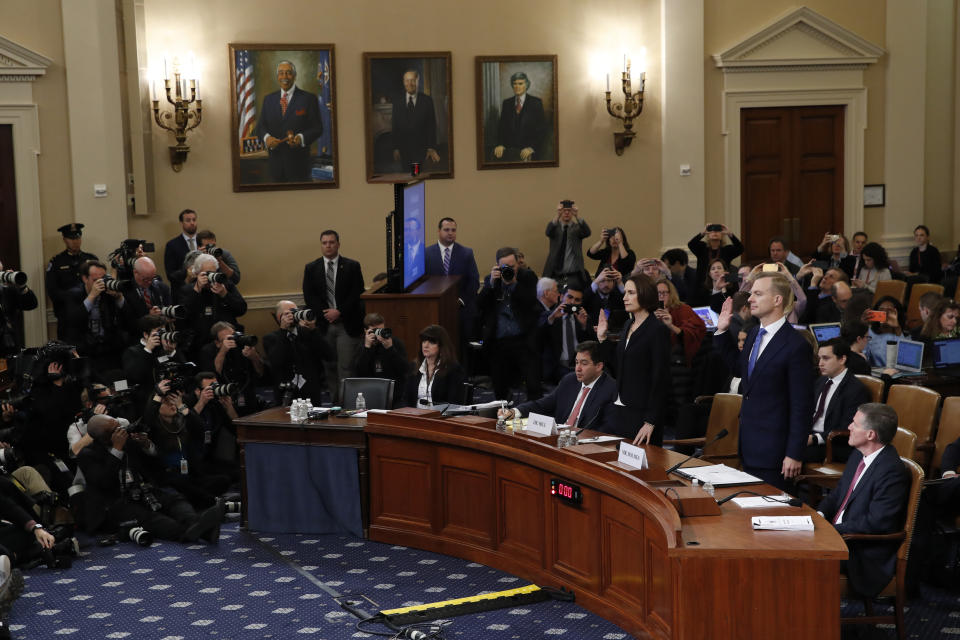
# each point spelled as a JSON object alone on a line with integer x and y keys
{"x": 289, "y": 124}
{"x": 414, "y": 124}
{"x": 522, "y": 123}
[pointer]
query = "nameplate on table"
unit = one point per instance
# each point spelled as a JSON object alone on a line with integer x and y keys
{"x": 540, "y": 425}
{"x": 632, "y": 456}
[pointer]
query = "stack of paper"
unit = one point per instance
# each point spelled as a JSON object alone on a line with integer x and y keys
{"x": 720, "y": 475}
{"x": 782, "y": 523}
{"x": 762, "y": 501}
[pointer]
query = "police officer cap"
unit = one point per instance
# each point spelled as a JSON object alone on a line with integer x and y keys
{"x": 72, "y": 230}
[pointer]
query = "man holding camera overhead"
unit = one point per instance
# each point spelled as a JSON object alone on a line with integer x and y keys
{"x": 93, "y": 320}
{"x": 295, "y": 352}
{"x": 209, "y": 299}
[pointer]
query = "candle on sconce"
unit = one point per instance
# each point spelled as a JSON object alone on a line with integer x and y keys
{"x": 197, "y": 87}
{"x": 624, "y": 63}
{"x": 166, "y": 68}
{"x": 608, "y": 82}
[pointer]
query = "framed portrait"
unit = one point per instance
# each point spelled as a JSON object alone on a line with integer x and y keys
{"x": 408, "y": 109}
{"x": 517, "y": 112}
{"x": 284, "y": 133}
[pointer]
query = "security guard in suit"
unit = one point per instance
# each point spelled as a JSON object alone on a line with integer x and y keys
{"x": 63, "y": 271}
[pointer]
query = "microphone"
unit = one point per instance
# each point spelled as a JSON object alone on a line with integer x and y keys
{"x": 793, "y": 502}
{"x": 722, "y": 434}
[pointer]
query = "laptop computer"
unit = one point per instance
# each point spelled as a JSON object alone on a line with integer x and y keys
{"x": 709, "y": 317}
{"x": 946, "y": 357}
{"x": 825, "y": 331}
{"x": 909, "y": 360}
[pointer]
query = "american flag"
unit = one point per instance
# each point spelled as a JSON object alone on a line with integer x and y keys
{"x": 246, "y": 98}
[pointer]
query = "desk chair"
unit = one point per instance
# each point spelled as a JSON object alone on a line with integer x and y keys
{"x": 947, "y": 432}
{"x": 826, "y": 474}
{"x": 894, "y": 288}
{"x": 917, "y": 408}
{"x": 897, "y": 586}
{"x": 378, "y": 392}
{"x": 724, "y": 414}
{"x": 913, "y": 307}
{"x": 874, "y": 386}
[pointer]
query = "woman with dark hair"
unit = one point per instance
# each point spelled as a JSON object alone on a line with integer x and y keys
{"x": 613, "y": 251}
{"x": 890, "y": 330}
{"x": 717, "y": 286}
{"x": 439, "y": 377}
{"x": 642, "y": 363}
{"x": 708, "y": 245}
{"x": 876, "y": 267}
{"x": 942, "y": 321}
{"x": 925, "y": 258}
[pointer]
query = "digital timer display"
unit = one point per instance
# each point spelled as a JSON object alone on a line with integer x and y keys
{"x": 566, "y": 491}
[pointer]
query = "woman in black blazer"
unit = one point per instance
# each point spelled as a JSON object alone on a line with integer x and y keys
{"x": 439, "y": 377}
{"x": 642, "y": 365}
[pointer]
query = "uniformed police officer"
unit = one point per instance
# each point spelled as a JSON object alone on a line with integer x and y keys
{"x": 63, "y": 272}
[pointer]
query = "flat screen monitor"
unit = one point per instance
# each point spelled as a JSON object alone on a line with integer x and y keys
{"x": 414, "y": 234}
{"x": 946, "y": 353}
{"x": 826, "y": 331}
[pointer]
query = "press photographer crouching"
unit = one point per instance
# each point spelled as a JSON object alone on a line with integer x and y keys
{"x": 233, "y": 358}
{"x": 209, "y": 299}
{"x": 295, "y": 353}
{"x": 382, "y": 355}
{"x": 141, "y": 362}
{"x": 213, "y": 404}
{"x": 124, "y": 486}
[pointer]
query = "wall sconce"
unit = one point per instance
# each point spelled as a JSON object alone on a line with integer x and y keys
{"x": 630, "y": 109}
{"x": 176, "y": 89}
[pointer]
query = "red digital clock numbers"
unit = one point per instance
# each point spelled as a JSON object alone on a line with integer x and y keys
{"x": 566, "y": 491}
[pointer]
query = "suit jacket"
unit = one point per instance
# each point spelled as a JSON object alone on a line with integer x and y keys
{"x": 594, "y": 302}
{"x": 290, "y": 164}
{"x": 951, "y": 457}
{"x": 12, "y": 303}
{"x": 135, "y": 307}
{"x": 76, "y": 329}
{"x": 447, "y": 386}
{"x": 877, "y": 505}
{"x": 173, "y": 256}
{"x": 349, "y": 288}
{"x": 463, "y": 264}
{"x": 526, "y": 307}
{"x": 576, "y": 232}
{"x": 843, "y": 404}
{"x": 528, "y": 128}
{"x": 413, "y": 131}
{"x": 551, "y": 339}
{"x": 203, "y": 310}
{"x": 596, "y": 411}
{"x": 820, "y": 310}
{"x": 304, "y": 355}
{"x": 777, "y": 399}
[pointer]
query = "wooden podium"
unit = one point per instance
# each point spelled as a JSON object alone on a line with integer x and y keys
{"x": 433, "y": 302}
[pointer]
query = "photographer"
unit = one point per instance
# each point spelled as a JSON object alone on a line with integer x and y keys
{"x": 606, "y": 295}
{"x": 22, "y": 538}
{"x": 122, "y": 258}
{"x": 210, "y": 299}
{"x": 216, "y": 412}
{"x": 122, "y": 486}
{"x": 509, "y": 308}
{"x": 562, "y": 329}
{"x": 140, "y": 361}
{"x": 382, "y": 355}
{"x": 207, "y": 243}
{"x": 234, "y": 358}
{"x": 149, "y": 295}
{"x": 295, "y": 354}
{"x": 94, "y": 320}
{"x": 15, "y": 297}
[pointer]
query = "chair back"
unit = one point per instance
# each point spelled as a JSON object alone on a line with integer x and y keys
{"x": 378, "y": 392}
{"x": 894, "y": 288}
{"x": 916, "y": 409}
{"x": 948, "y": 431}
{"x": 724, "y": 414}
{"x": 913, "y": 307}
{"x": 913, "y": 501}
{"x": 874, "y": 386}
{"x": 905, "y": 442}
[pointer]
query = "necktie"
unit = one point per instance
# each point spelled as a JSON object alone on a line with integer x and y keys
{"x": 192, "y": 244}
{"x": 823, "y": 400}
{"x": 519, "y": 105}
{"x": 146, "y": 298}
{"x": 575, "y": 414}
{"x": 562, "y": 253}
{"x": 410, "y": 104}
{"x": 446, "y": 261}
{"x": 569, "y": 340}
{"x": 755, "y": 352}
{"x": 331, "y": 286}
{"x": 283, "y": 104}
{"x": 846, "y": 498}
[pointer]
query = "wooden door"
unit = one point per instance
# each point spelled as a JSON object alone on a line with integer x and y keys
{"x": 9, "y": 237}
{"x": 791, "y": 177}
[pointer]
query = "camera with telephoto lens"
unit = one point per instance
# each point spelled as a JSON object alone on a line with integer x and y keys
{"x": 383, "y": 332}
{"x": 178, "y": 373}
{"x": 215, "y": 277}
{"x": 572, "y": 309}
{"x": 213, "y": 250}
{"x": 224, "y": 389}
{"x": 10, "y": 459}
{"x": 62, "y": 354}
{"x": 174, "y": 311}
{"x": 132, "y": 531}
{"x": 123, "y": 256}
{"x": 18, "y": 402}
{"x": 303, "y": 315}
{"x": 243, "y": 340}
{"x": 13, "y": 278}
{"x": 507, "y": 272}
{"x": 170, "y": 336}
{"x": 112, "y": 284}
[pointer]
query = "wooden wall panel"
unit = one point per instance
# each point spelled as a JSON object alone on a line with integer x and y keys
{"x": 401, "y": 471}
{"x": 466, "y": 495}
{"x": 520, "y": 519}
{"x": 574, "y": 547}
{"x": 623, "y": 564}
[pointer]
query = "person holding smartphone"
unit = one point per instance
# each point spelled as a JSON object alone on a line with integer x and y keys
{"x": 709, "y": 244}
{"x": 613, "y": 251}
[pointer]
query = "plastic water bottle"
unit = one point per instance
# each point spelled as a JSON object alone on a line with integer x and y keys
{"x": 501, "y": 423}
{"x": 891, "y": 354}
{"x": 361, "y": 404}
{"x": 708, "y": 487}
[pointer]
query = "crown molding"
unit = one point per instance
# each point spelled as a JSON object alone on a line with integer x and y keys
{"x": 19, "y": 64}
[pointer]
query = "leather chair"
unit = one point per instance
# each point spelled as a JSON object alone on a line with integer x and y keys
{"x": 894, "y": 288}
{"x": 913, "y": 307}
{"x": 947, "y": 432}
{"x": 827, "y": 474}
{"x": 897, "y": 587}
{"x": 916, "y": 409}
{"x": 378, "y": 392}
{"x": 724, "y": 414}
{"x": 874, "y": 386}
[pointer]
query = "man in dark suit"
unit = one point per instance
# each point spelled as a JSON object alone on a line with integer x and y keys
{"x": 581, "y": 399}
{"x": 177, "y": 249}
{"x": 449, "y": 258}
{"x": 63, "y": 271}
{"x": 289, "y": 123}
{"x": 561, "y": 329}
{"x": 332, "y": 286}
{"x": 14, "y": 300}
{"x": 295, "y": 352}
{"x": 871, "y": 498}
{"x": 206, "y": 303}
{"x": 148, "y": 296}
{"x": 509, "y": 310}
{"x": 780, "y": 252}
{"x": 413, "y": 124}
{"x": 836, "y": 395}
{"x": 777, "y": 382}
{"x": 820, "y": 305}
{"x": 682, "y": 275}
{"x": 94, "y": 321}
{"x": 523, "y": 125}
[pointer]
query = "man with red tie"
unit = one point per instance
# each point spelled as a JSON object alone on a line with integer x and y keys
{"x": 871, "y": 498}
{"x": 289, "y": 123}
{"x": 581, "y": 399}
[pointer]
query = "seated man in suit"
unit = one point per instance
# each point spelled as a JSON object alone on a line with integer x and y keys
{"x": 449, "y": 258}
{"x": 562, "y": 328}
{"x": 836, "y": 394}
{"x": 871, "y": 498}
{"x": 582, "y": 399}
